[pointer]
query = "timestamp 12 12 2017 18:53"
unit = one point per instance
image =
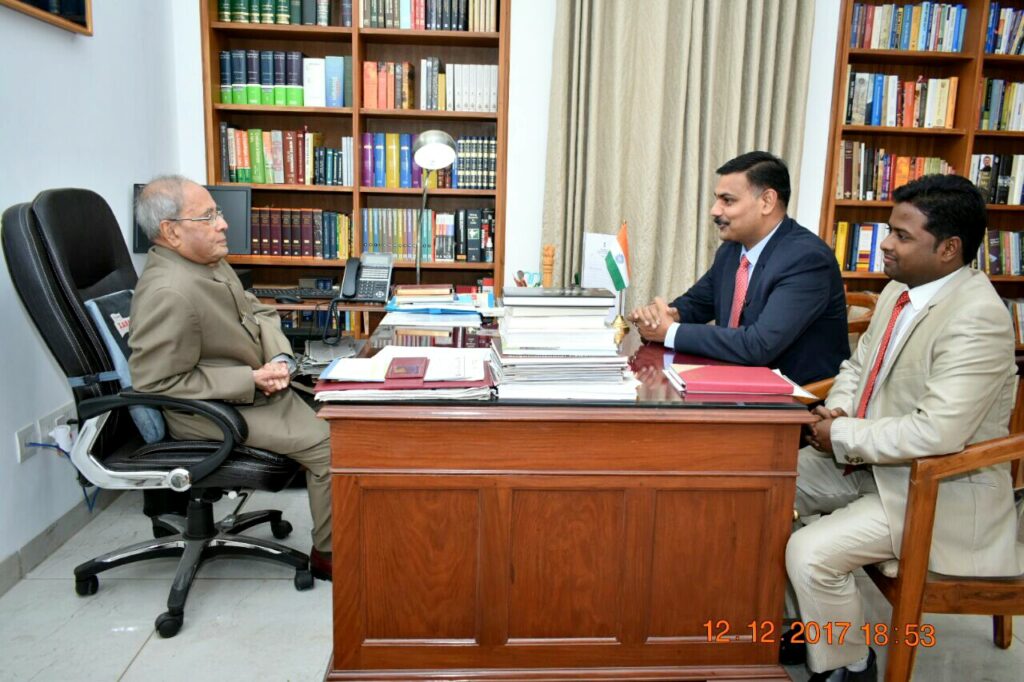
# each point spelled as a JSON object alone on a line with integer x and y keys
{"x": 810, "y": 632}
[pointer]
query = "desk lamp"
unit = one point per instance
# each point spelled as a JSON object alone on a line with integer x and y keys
{"x": 432, "y": 151}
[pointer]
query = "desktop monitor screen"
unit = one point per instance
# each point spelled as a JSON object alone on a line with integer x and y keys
{"x": 236, "y": 203}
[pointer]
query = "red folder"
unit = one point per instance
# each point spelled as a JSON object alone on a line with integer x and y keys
{"x": 734, "y": 379}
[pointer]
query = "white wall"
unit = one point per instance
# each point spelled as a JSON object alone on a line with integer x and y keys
{"x": 95, "y": 112}
{"x": 807, "y": 209}
{"x": 532, "y": 36}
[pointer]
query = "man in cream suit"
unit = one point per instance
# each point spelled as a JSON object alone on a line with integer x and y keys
{"x": 934, "y": 372}
{"x": 195, "y": 333}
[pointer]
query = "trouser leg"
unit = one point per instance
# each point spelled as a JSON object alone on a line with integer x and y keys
{"x": 317, "y": 461}
{"x": 821, "y": 556}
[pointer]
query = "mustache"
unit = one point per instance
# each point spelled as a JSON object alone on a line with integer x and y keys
{"x": 719, "y": 221}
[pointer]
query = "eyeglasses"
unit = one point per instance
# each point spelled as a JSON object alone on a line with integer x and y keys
{"x": 209, "y": 219}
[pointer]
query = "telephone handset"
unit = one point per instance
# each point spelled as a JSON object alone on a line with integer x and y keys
{"x": 367, "y": 278}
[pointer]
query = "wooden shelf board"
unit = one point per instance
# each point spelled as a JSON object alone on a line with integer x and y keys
{"x": 857, "y": 203}
{"x": 407, "y": 37}
{"x": 895, "y": 130}
{"x": 863, "y": 275}
{"x": 281, "y": 30}
{"x": 296, "y": 261}
{"x": 881, "y": 275}
{"x": 416, "y": 191}
{"x": 269, "y": 109}
{"x": 861, "y": 54}
{"x": 1005, "y": 208}
{"x": 1000, "y": 133}
{"x": 335, "y": 189}
{"x": 490, "y": 116}
{"x": 1004, "y": 60}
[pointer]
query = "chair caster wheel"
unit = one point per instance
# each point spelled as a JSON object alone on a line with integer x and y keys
{"x": 168, "y": 624}
{"x": 280, "y": 529}
{"x": 303, "y": 580}
{"x": 87, "y": 586}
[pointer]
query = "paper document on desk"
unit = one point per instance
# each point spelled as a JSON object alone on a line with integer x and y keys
{"x": 445, "y": 364}
{"x": 400, "y": 319}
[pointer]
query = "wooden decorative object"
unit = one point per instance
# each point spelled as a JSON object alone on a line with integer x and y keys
{"x": 547, "y": 265}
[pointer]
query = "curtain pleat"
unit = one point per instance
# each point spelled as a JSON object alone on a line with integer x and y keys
{"x": 647, "y": 99}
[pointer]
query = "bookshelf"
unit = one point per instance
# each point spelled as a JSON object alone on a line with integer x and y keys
{"x": 955, "y": 142}
{"x": 363, "y": 45}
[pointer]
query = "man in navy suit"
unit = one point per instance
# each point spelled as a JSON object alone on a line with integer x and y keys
{"x": 774, "y": 290}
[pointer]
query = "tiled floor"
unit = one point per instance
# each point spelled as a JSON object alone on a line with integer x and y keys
{"x": 245, "y": 620}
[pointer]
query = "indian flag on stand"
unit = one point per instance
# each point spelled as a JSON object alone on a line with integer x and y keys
{"x": 617, "y": 259}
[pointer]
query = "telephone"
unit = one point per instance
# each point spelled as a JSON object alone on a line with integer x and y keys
{"x": 367, "y": 278}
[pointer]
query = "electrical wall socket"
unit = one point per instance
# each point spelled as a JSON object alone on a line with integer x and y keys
{"x": 25, "y": 435}
{"x": 61, "y": 415}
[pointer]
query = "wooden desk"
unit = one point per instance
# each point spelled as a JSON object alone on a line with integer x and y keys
{"x": 497, "y": 542}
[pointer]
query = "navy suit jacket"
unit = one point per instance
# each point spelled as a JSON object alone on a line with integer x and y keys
{"x": 794, "y": 315}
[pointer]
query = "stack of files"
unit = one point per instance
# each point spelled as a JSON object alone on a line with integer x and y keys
{"x": 444, "y": 374}
{"x": 554, "y": 344}
{"x": 731, "y": 379}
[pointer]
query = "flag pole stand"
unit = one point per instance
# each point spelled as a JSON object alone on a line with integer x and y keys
{"x": 619, "y": 323}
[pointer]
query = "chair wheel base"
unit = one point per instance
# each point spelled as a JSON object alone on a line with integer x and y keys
{"x": 168, "y": 624}
{"x": 87, "y": 586}
{"x": 280, "y": 529}
{"x": 303, "y": 580}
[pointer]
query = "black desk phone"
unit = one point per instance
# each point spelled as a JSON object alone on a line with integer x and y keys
{"x": 367, "y": 278}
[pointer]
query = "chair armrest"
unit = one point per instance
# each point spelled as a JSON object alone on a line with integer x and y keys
{"x": 93, "y": 413}
{"x": 976, "y": 456}
{"x": 922, "y": 494}
{"x": 820, "y": 388}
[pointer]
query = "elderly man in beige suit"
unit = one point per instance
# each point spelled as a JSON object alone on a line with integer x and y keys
{"x": 195, "y": 333}
{"x": 934, "y": 372}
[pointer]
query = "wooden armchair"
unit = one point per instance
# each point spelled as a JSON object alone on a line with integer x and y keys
{"x": 908, "y": 584}
{"x": 860, "y": 306}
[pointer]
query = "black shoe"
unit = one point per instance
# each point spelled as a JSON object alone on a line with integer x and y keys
{"x": 791, "y": 653}
{"x": 869, "y": 674}
{"x": 320, "y": 564}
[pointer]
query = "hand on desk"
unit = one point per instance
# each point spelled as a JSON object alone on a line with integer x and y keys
{"x": 271, "y": 377}
{"x": 653, "y": 319}
{"x": 819, "y": 434}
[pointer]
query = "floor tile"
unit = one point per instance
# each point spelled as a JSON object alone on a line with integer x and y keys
{"x": 244, "y": 629}
{"x": 53, "y": 634}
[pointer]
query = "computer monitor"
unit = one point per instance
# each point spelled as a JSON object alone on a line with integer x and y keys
{"x": 235, "y": 201}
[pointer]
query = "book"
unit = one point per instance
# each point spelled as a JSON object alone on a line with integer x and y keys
{"x": 406, "y": 368}
{"x": 731, "y": 379}
{"x": 535, "y": 296}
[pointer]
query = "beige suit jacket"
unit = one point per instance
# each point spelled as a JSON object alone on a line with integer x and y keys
{"x": 195, "y": 333}
{"x": 950, "y": 382}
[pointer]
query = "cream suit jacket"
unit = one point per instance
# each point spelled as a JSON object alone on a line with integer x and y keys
{"x": 195, "y": 333}
{"x": 950, "y": 382}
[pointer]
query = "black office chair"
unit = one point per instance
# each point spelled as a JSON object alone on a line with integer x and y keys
{"x": 63, "y": 249}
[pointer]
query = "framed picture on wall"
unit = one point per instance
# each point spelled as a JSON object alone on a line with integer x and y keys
{"x": 70, "y": 15}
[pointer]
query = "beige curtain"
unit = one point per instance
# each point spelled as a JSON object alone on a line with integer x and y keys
{"x": 647, "y": 99}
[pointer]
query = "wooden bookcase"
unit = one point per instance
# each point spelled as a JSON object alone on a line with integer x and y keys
{"x": 363, "y": 44}
{"x": 955, "y": 143}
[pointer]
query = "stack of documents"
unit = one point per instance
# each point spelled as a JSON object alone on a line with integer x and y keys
{"x": 554, "y": 344}
{"x": 398, "y": 373}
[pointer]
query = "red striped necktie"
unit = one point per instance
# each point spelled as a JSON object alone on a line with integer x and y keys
{"x": 739, "y": 292}
{"x": 869, "y": 388}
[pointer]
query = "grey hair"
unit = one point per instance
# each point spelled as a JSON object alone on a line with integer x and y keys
{"x": 162, "y": 198}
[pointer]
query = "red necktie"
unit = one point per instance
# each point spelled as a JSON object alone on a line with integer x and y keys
{"x": 739, "y": 292}
{"x": 869, "y": 388}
